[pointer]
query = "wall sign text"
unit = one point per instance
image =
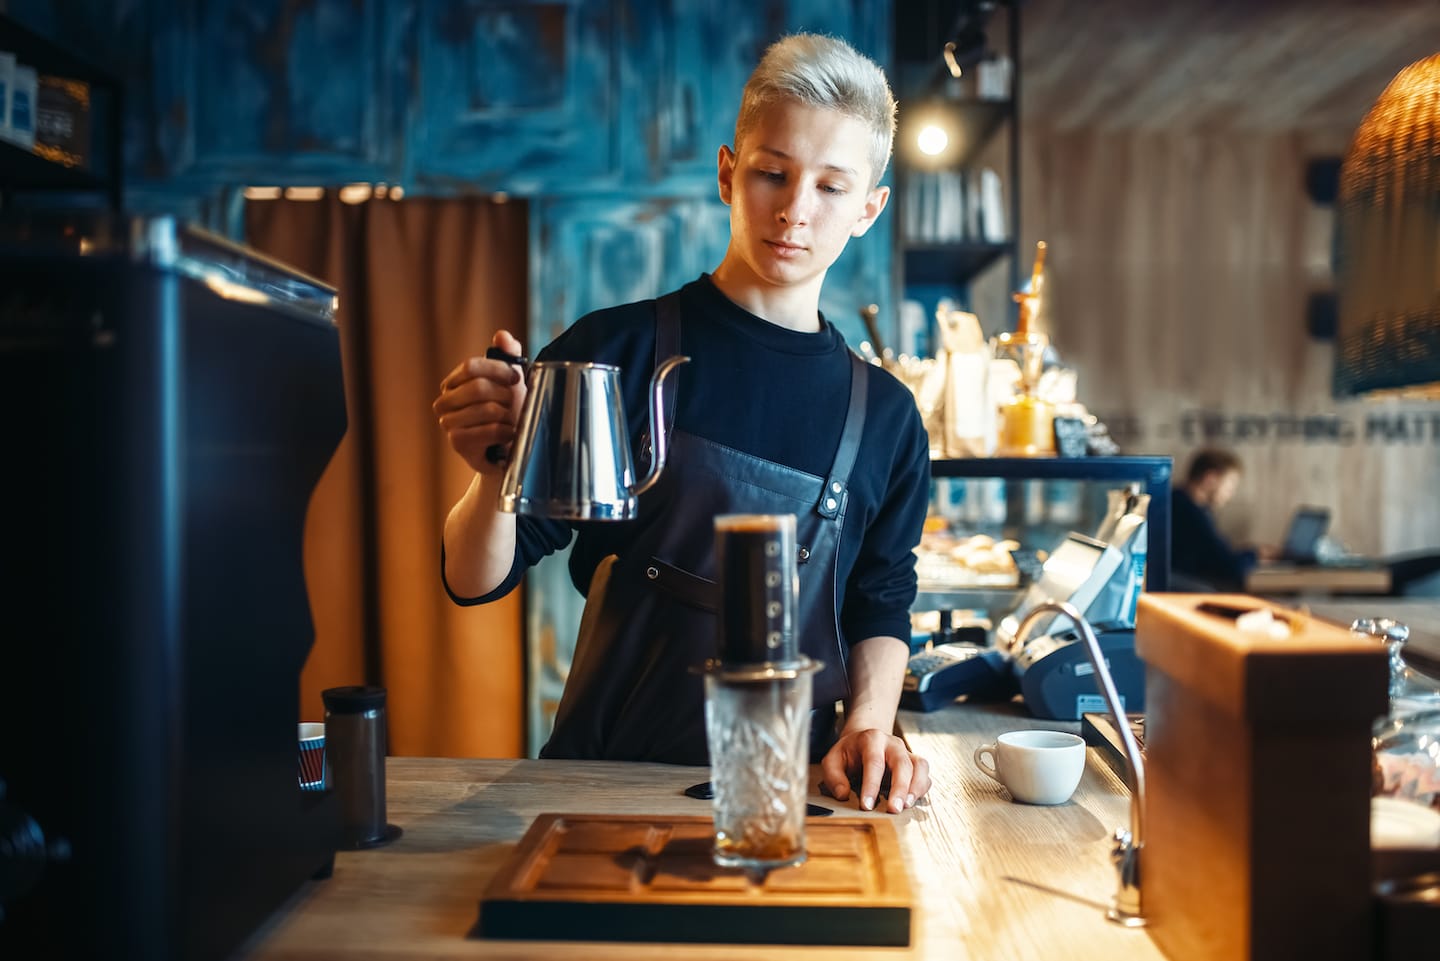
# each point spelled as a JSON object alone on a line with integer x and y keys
{"x": 1197, "y": 427}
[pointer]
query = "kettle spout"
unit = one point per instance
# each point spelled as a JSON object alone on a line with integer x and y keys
{"x": 659, "y": 429}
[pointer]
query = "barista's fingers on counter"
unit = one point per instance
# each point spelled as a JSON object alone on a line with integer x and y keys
{"x": 834, "y": 774}
{"x": 905, "y": 793}
{"x": 902, "y": 774}
{"x": 920, "y": 782}
{"x": 873, "y": 763}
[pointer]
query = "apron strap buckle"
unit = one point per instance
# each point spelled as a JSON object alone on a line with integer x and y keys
{"x": 832, "y": 499}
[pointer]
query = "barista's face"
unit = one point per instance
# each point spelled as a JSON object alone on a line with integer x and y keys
{"x": 798, "y": 190}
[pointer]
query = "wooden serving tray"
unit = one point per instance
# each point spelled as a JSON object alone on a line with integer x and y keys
{"x": 581, "y": 877}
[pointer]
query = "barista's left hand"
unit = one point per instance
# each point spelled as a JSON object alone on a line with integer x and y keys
{"x": 868, "y": 757}
{"x": 879, "y": 763}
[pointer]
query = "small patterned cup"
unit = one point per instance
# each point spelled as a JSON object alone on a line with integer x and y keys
{"x": 313, "y": 773}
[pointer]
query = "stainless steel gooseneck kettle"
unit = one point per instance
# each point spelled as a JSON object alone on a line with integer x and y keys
{"x": 571, "y": 458}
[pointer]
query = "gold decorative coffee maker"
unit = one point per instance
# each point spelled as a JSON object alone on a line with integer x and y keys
{"x": 1026, "y": 420}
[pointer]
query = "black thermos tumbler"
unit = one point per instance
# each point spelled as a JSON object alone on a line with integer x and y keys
{"x": 355, "y": 745}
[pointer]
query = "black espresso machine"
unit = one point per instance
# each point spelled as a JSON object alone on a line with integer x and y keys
{"x": 168, "y": 402}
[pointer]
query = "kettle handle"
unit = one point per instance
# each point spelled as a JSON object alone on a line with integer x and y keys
{"x": 495, "y": 453}
{"x": 659, "y": 432}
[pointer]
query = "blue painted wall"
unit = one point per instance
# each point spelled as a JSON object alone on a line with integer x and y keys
{"x": 605, "y": 114}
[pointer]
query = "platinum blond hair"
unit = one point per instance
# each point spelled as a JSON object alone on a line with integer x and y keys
{"x": 821, "y": 71}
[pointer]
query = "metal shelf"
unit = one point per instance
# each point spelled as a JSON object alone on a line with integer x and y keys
{"x": 961, "y": 599}
{"x": 19, "y": 167}
{"x": 941, "y": 263}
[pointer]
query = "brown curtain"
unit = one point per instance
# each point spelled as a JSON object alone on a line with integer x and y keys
{"x": 422, "y": 284}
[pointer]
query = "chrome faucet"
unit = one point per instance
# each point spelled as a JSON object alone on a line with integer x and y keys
{"x": 1411, "y": 690}
{"x": 1125, "y": 907}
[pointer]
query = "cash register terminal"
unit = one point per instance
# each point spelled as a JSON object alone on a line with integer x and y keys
{"x": 1051, "y": 670}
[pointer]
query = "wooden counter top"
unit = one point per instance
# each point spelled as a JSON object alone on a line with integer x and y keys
{"x": 1278, "y": 578}
{"x": 1420, "y": 614}
{"x": 991, "y": 879}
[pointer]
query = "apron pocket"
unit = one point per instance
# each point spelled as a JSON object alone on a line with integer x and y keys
{"x": 689, "y": 589}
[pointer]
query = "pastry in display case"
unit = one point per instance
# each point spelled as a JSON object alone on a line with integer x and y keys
{"x": 948, "y": 558}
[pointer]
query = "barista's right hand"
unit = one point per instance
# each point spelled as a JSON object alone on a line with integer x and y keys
{"x": 479, "y": 405}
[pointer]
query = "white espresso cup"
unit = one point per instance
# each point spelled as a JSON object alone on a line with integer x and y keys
{"x": 1036, "y": 767}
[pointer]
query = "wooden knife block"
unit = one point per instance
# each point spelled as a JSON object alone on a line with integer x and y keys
{"x": 1258, "y": 761}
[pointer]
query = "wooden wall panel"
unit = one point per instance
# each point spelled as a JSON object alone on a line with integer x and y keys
{"x": 1178, "y": 279}
{"x": 1274, "y": 65}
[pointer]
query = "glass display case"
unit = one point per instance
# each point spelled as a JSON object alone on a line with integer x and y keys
{"x": 994, "y": 521}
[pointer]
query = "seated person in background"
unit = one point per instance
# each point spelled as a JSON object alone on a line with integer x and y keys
{"x": 1202, "y": 558}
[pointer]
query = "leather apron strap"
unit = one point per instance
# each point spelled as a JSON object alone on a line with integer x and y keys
{"x": 667, "y": 344}
{"x": 837, "y": 483}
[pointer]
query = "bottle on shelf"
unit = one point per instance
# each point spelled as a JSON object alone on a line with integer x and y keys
{"x": 1027, "y": 421}
{"x": 969, "y": 416}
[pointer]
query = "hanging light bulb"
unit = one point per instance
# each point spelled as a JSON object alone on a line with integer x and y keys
{"x": 932, "y": 139}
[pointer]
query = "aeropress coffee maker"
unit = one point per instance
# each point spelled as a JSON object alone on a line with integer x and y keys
{"x": 758, "y": 697}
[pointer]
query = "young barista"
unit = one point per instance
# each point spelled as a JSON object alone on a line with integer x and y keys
{"x": 773, "y": 414}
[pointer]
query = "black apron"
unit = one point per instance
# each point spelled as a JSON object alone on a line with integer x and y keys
{"x": 635, "y": 692}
